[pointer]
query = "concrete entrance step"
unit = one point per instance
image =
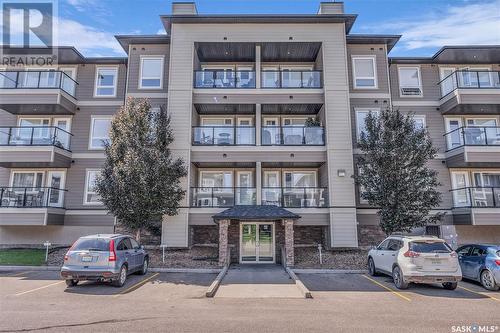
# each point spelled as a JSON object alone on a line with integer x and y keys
{"x": 258, "y": 281}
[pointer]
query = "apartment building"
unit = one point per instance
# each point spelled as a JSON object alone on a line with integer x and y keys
{"x": 266, "y": 112}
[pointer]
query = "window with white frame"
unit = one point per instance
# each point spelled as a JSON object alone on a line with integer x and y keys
{"x": 26, "y": 179}
{"x": 216, "y": 179}
{"x": 151, "y": 72}
{"x": 361, "y": 115}
{"x": 105, "y": 81}
{"x": 410, "y": 82}
{"x": 99, "y": 132}
{"x": 91, "y": 196}
{"x": 364, "y": 72}
{"x": 361, "y": 189}
{"x": 419, "y": 121}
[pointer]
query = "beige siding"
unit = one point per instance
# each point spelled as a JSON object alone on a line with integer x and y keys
{"x": 381, "y": 66}
{"x": 57, "y": 235}
{"x": 134, "y": 62}
{"x": 75, "y": 183}
{"x": 429, "y": 76}
{"x": 86, "y": 75}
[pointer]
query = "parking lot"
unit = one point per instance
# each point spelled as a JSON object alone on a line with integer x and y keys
{"x": 175, "y": 302}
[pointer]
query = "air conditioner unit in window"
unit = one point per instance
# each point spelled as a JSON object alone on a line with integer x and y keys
{"x": 411, "y": 91}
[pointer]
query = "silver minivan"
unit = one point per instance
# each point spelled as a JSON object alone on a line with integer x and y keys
{"x": 104, "y": 258}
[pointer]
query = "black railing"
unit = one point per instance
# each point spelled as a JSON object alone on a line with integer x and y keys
{"x": 295, "y": 197}
{"x": 223, "y": 135}
{"x": 37, "y": 80}
{"x": 31, "y": 197}
{"x": 35, "y": 136}
{"x": 291, "y": 79}
{"x": 476, "y": 197}
{"x": 292, "y": 136}
{"x": 224, "y": 79}
{"x": 469, "y": 79}
{"x": 473, "y": 136}
{"x": 222, "y": 196}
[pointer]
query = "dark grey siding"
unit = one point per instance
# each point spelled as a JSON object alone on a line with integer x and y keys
{"x": 134, "y": 66}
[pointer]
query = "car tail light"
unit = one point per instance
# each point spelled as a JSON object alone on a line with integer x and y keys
{"x": 411, "y": 254}
{"x": 453, "y": 254}
{"x": 497, "y": 262}
{"x": 69, "y": 250}
{"x": 112, "y": 253}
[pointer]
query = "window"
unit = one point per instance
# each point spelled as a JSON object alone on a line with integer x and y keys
{"x": 151, "y": 76}
{"x": 216, "y": 179}
{"x": 394, "y": 245}
{"x": 124, "y": 245}
{"x": 464, "y": 251}
{"x": 134, "y": 243}
{"x": 478, "y": 252}
{"x": 299, "y": 178}
{"x": 28, "y": 179}
{"x": 410, "y": 82}
{"x": 430, "y": 247}
{"x": 99, "y": 132}
{"x": 105, "y": 82}
{"x": 383, "y": 245}
{"x": 419, "y": 121}
{"x": 361, "y": 120}
{"x": 91, "y": 196}
{"x": 364, "y": 72}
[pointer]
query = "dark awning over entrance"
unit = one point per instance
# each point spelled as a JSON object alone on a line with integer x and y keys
{"x": 255, "y": 213}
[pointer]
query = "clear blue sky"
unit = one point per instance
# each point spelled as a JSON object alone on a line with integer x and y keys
{"x": 425, "y": 24}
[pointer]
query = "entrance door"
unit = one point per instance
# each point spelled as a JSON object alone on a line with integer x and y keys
{"x": 55, "y": 192}
{"x": 256, "y": 242}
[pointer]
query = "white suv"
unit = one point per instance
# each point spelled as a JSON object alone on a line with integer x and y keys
{"x": 419, "y": 259}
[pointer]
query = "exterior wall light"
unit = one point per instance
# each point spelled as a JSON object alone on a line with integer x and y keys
{"x": 341, "y": 172}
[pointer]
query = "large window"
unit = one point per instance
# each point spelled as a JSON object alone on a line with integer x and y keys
{"x": 299, "y": 178}
{"x": 91, "y": 196}
{"x": 410, "y": 82}
{"x": 216, "y": 179}
{"x": 419, "y": 121}
{"x": 29, "y": 179}
{"x": 361, "y": 115}
{"x": 364, "y": 72}
{"x": 151, "y": 72}
{"x": 99, "y": 132}
{"x": 105, "y": 82}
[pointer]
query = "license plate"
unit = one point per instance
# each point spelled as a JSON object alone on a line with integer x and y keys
{"x": 86, "y": 258}
{"x": 435, "y": 261}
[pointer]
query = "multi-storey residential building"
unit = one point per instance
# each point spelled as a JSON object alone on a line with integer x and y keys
{"x": 266, "y": 112}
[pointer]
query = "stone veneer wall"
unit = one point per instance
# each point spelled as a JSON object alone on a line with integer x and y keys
{"x": 369, "y": 235}
{"x": 147, "y": 238}
{"x": 309, "y": 235}
{"x": 203, "y": 235}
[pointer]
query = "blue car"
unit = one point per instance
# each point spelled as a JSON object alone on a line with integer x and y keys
{"x": 481, "y": 262}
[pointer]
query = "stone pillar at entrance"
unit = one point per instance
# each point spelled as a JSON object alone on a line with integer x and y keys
{"x": 290, "y": 255}
{"x": 223, "y": 242}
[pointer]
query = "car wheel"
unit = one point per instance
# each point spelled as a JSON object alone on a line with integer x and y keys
{"x": 398, "y": 278}
{"x": 145, "y": 266}
{"x": 122, "y": 277}
{"x": 450, "y": 285}
{"x": 488, "y": 281}
{"x": 371, "y": 267}
{"x": 71, "y": 283}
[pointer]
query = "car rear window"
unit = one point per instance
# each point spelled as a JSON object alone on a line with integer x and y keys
{"x": 430, "y": 247}
{"x": 91, "y": 244}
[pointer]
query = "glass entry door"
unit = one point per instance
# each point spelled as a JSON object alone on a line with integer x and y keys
{"x": 256, "y": 242}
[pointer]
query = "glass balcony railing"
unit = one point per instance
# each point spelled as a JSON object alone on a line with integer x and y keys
{"x": 222, "y": 196}
{"x": 292, "y": 136}
{"x": 291, "y": 79}
{"x": 36, "y": 197}
{"x": 224, "y": 79}
{"x": 224, "y": 135}
{"x": 469, "y": 79}
{"x": 476, "y": 197}
{"x": 37, "y": 80}
{"x": 295, "y": 197}
{"x": 35, "y": 136}
{"x": 473, "y": 136}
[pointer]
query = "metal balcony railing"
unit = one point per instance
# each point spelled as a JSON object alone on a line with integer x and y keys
{"x": 469, "y": 79}
{"x": 295, "y": 197}
{"x": 476, "y": 197}
{"x": 37, "y": 80}
{"x": 222, "y": 196}
{"x": 292, "y": 136}
{"x": 224, "y": 79}
{"x": 33, "y": 197}
{"x": 223, "y": 136}
{"x": 291, "y": 79}
{"x": 35, "y": 136}
{"x": 473, "y": 136}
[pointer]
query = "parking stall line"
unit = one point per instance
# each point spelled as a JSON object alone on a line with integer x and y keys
{"x": 18, "y": 274}
{"x": 39, "y": 288}
{"x": 479, "y": 293}
{"x": 388, "y": 289}
{"x": 137, "y": 285}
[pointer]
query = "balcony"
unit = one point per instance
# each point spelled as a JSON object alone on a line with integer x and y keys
{"x": 291, "y": 79}
{"x": 295, "y": 197}
{"x": 470, "y": 92}
{"x": 476, "y": 205}
{"x": 38, "y": 146}
{"x": 222, "y": 196}
{"x": 473, "y": 146}
{"x": 292, "y": 136}
{"x": 223, "y": 136}
{"x": 37, "y": 92}
{"x": 219, "y": 79}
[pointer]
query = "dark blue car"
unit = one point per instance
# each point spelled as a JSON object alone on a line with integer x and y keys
{"x": 481, "y": 262}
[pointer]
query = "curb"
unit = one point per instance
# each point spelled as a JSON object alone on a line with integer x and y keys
{"x": 30, "y": 268}
{"x": 184, "y": 270}
{"x": 303, "y": 289}
{"x": 215, "y": 285}
{"x": 328, "y": 271}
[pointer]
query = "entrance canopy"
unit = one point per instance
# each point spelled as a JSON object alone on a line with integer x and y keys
{"x": 255, "y": 213}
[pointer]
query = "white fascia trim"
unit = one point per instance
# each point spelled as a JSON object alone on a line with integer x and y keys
{"x": 369, "y": 95}
{"x": 89, "y": 155}
{"x": 148, "y": 95}
{"x": 99, "y": 103}
{"x": 416, "y": 103}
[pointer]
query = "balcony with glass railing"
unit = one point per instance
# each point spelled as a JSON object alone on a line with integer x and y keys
{"x": 37, "y": 80}
{"x": 224, "y": 79}
{"x": 292, "y": 136}
{"x": 295, "y": 197}
{"x": 222, "y": 196}
{"x": 291, "y": 79}
{"x": 35, "y": 136}
{"x": 31, "y": 197}
{"x": 223, "y": 136}
{"x": 476, "y": 197}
